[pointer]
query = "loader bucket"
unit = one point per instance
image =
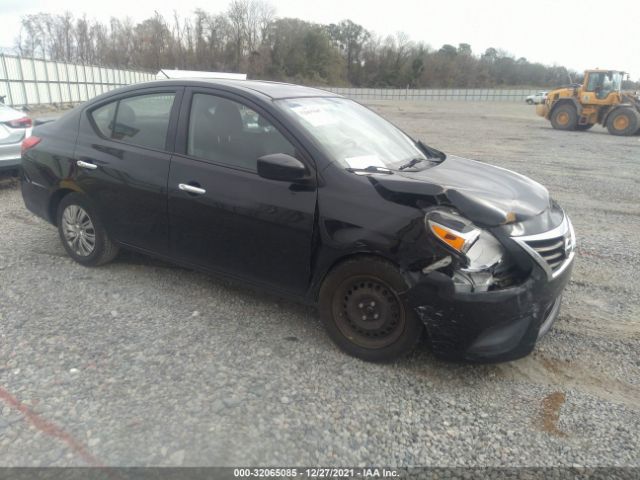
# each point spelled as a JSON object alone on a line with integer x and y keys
{"x": 542, "y": 109}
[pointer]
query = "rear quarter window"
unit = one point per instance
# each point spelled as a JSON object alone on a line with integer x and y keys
{"x": 103, "y": 118}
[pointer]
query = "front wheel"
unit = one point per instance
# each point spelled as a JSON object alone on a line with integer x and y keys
{"x": 361, "y": 306}
{"x": 82, "y": 233}
{"x": 564, "y": 117}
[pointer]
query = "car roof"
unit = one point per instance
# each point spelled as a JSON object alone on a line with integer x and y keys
{"x": 273, "y": 90}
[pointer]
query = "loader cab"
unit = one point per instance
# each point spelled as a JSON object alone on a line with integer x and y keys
{"x": 599, "y": 85}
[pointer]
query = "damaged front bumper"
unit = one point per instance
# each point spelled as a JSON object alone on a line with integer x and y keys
{"x": 490, "y": 326}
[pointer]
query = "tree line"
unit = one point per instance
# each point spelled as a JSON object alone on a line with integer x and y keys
{"x": 248, "y": 37}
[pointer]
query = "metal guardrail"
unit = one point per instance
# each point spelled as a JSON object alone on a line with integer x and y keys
{"x": 448, "y": 94}
{"x": 32, "y": 81}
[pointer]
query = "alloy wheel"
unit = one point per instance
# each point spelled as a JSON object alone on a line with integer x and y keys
{"x": 78, "y": 230}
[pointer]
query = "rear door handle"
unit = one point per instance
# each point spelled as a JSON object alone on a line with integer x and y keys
{"x": 191, "y": 189}
{"x": 90, "y": 166}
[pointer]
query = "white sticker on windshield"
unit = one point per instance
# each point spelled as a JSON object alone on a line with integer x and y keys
{"x": 364, "y": 161}
{"x": 314, "y": 115}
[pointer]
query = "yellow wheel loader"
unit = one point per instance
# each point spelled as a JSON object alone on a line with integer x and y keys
{"x": 598, "y": 100}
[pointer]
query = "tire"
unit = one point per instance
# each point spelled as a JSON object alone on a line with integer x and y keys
{"x": 371, "y": 287}
{"x": 82, "y": 233}
{"x": 564, "y": 117}
{"x": 623, "y": 122}
{"x": 584, "y": 128}
{"x": 529, "y": 101}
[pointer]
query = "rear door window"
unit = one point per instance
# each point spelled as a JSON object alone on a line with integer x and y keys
{"x": 140, "y": 120}
{"x": 143, "y": 120}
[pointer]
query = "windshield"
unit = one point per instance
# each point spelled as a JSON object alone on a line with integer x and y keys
{"x": 604, "y": 82}
{"x": 351, "y": 134}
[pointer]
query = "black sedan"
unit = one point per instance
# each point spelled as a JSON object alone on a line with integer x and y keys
{"x": 313, "y": 197}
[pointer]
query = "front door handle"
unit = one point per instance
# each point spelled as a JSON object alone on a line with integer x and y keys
{"x": 90, "y": 166}
{"x": 191, "y": 189}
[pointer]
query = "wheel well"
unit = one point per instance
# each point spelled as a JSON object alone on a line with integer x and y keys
{"x": 566, "y": 101}
{"x": 55, "y": 200}
{"x": 339, "y": 261}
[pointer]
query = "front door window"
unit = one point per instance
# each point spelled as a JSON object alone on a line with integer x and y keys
{"x": 229, "y": 133}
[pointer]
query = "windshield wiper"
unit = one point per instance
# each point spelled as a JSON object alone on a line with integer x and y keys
{"x": 411, "y": 163}
{"x": 431, "y": 152}
{"x": 371, "y": 169}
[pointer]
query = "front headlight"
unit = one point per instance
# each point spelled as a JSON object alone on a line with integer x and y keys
{"x": 453, "y": 230}
{"x": 479, "y": 251}
{"x": 478, "y": 247}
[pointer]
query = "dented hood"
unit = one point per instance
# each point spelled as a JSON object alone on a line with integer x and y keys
{"x": 485, "y": 194}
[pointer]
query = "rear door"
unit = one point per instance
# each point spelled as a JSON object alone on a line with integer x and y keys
{"x": 122, "y": 164}
{"x": 223, "y": 216}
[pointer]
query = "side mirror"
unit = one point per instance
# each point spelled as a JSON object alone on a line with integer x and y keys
{"x": 280, "y": 166}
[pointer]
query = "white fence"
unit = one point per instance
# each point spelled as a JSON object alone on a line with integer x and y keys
{"x": 30, "y": 81}
{"x": 449, "y": 94}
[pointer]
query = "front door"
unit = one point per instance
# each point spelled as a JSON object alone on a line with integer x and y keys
{"x": 222, "y": 215}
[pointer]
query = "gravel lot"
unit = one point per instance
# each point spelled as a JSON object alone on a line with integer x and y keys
{"x": 143, "y": 363}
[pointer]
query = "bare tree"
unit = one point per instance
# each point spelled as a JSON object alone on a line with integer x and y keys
{"x": 237, "y": 14}
{"x": 248, "y": 37}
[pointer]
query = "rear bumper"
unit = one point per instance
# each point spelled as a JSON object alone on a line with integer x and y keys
{"x": 36, "y": 197}
{"x": 494, "y": 326}
{"x": 9, "y": 165}
{"x": 11, "y": 152}
{"x": 10, "y": 156}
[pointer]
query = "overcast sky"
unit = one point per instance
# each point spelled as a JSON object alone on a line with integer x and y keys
{"x": 579, "y": 35}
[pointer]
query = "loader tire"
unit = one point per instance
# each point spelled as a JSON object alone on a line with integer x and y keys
{"x": 623, "y": 122}
{"x": 564, "y": 117}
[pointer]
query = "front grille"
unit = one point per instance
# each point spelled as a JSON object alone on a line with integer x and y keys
{"x": 553, "y": 250}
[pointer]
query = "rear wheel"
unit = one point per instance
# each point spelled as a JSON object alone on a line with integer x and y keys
{"x": 82, "y": 233}
{"x": 362, "y": 309}
{"x": 564, "y": 117}
{"x": 623, "y": 121}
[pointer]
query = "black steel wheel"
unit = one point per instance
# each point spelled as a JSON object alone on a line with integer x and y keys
{"x": 362, "y": 308}
{"x": 368, "y": 311}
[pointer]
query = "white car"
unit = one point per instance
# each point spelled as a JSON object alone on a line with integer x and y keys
{"x": 15, "y": 126}
{"x": 536, "y": 98}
